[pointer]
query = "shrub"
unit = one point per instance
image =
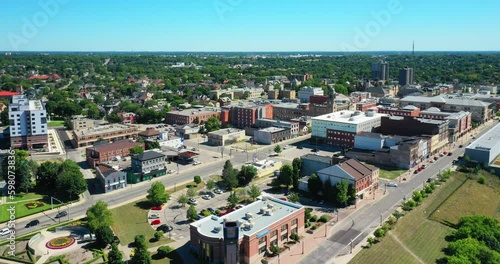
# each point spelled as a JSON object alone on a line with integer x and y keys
{"x": 308, "y": 212}
{"x": 386, "y": 226}
{"x": 295, "y": 237}
{"x": 481, "y": 180}
{"x": 197, "y": 179}
{"x": 206, "y": 213}
{"x": 379, "y": 233}
{"x": 391, "y": 221}
{"x": 307, "y": 224}
{"x": 313, "y": 218}
{"x": 158, "y": 235}
{"x": 324, "y": 218}
{"x": 274, "y": 248}
{"x": 164, "y": 250}
{"x": 314, "y": 227}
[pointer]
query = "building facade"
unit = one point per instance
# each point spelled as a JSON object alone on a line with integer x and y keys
{"x": 307, "y": 91}
{"x": 265, "y": 222}
{"x": 27, "y": 123}
{"x": 87, "y": 137}
{"x": 486, "y": 148}
{"x": 406, "y": 76}
{"x": 380, "y": 71}
{"x": 225, "y": 136}
{"x": 147, "y": 165}
{"x": 339, "y": 128}
{"x": 191, "y": 116}
{"x": 265, "y": 123}
{"x": 271, "y": 135}
{"x": 103, "y": 152}
{"x": 110, "y": 179}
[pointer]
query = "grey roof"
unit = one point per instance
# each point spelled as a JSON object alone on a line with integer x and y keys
{"x": 314, "y": 157}
{"x": 487, "y": 141}
{"x": 337, "y": 171}
{"x": 147, "y": 155}
{"x": 444, "y": 99}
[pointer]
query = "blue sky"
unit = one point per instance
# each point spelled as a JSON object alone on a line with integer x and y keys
{"x": 249, "y": 25}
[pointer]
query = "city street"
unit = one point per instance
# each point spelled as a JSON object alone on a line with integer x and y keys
{"x": 360, "y": 224}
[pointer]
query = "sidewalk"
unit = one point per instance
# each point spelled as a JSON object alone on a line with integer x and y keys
{"x": 312, "y": 241}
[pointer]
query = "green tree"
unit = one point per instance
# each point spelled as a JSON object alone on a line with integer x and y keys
{"x": 70, "y": 179}
{"x": 295, "y": 237}
{"x": 183, "y": 199}
{"x": 286, "y": 175}
{"x": 314, "y": 184}
{"x": 115, "y": 256}
{"x": 417, "y": 196}
{"x": 4, "y": 117}
{"x": 46, "y": 174}
{"x": 136, "y": 150}
{"x": 197, "y": 179}
{"x": 254, "y": 191}
{"x": 297, "y": 165}
{"x": 191, "y": 192}
{"x": 157, "y": 194}
{"x": 232, "y": 200}
{"x": 210, "y": 185}
{"x": 397, "y": 214}
{"x": 212, "y": 124}
{"x": 163, "y": 251}
{"x": 246, "y": 175}
{"x": 104, "y": 236}
{"x": 277, "y": 149}
{"x": 28, "y": 169}
{"x": 231, "y": 179}
{"x": 141, "y": 253}
{"x": 23, "y": 169}
{"x": 379, "y": 233}
{"x": 228, "y": 168}
{"x": 158, "y": 235}
{"x": 294, "y": 197}
{"x": 351, "y": 193}
{"x": 342, "y": 192}
{"x": 191, "y": 213}
{"x": 99, "y": 216}
{"x": 274, "y": 249}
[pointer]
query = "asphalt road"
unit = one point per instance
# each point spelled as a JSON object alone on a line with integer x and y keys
{"x": 364, "y": 221}
{"x": 136, "y": 191}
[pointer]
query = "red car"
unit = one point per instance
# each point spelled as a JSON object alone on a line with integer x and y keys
{"x": 156, "y": 208}
{"x": 283, "y": 198}
{"x": 156, "y": 222}
{"x": 226, "y": 212}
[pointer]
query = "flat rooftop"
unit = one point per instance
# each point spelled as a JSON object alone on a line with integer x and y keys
{"x": 189, "y": 112}
{"x": 225, "y": 131}
{"x": 488, "y": 140}
{"x": 279, "y": 209}
{"x": 349, "y": 117}
{"x": 36, "y": 105}
{"x": 272, "y": 129}
{"x": 103, "y": 129}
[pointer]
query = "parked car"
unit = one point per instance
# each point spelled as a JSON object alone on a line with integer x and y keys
{"x": 287, "y": 192}
{"x": 165, "y": 228}
{"x": 193, "y": 149}
{"x": 300, "y": 147}
{"x": 156, "y": 222}
{"x": 171, "y": 171}
{"x": 461, "y": 146}
{"x": 192, "y": 201}
{"x": 211, "y": 210}
{"x": 156, "y": 208}
{"x": 416, "y": 171}
{"x": 283, "y": 198}
{"x": 206, "y": 197}
{"x": 218, "y": 191}
{"x": 449, "y": 153}
{"x": 154, "y": 216}
{"x": 61, "y": 214}
{"x": 211, "y": 194}
{"x": 4, "y": 231}
{"x": 424, "y": 166}
{"x": 196, "y": 162}
{"x": 392, "y": 184}
{"x": 239, "y": 206}
{"x": 33, "y": 223}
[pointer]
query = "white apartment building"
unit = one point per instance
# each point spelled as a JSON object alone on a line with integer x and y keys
{"x": 340, "y": 128}
{"x": 307, "y": 91}
{"x": 28, "y": 123}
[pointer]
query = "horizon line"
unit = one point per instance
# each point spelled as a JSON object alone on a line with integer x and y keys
{"x": 253, "y": 51}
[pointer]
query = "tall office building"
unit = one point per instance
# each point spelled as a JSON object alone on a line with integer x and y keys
{"x": 406, "y": 76}
{"x": 380, "y": 71}
{"x": 28, "y": 123}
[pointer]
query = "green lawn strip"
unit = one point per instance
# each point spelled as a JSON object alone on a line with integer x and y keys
{"x": 387, "y": 252}
{"x": 390, "y": 174}
{"x": 56, "y": 123}
{"x": 22, "y": 210}
{"x": 27, "y": 196}
{"x": 177, "y": 188}
{"x": 131, "y": 220}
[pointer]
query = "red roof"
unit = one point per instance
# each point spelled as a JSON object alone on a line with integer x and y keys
{"x": 7, "y": 93}
{"x": 45, "y": 77}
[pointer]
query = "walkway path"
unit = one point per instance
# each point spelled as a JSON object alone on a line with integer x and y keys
{"x": 405, "y": 248}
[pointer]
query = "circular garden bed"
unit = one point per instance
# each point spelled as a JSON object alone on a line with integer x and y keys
{"x": 33, "y": 205}
{"x": 60, "y": 242}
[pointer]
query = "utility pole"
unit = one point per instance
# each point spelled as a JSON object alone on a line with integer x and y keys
{"x": 246, "y": 150}
{"x": 381, "y": 215}
{"x": 352, "y": 243}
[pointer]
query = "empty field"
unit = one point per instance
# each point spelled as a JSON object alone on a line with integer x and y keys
{"x": 390, "y": 173}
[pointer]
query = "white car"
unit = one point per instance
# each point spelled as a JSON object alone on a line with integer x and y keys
{"x": 206, "y": 197}
{"x": 171, "y": 171}
{"x": 193, "y": 201}
{"x": 4, "y": 231}
{"x": 196, "y": 162}
{"x": 154, "y": 216}
{"x": 217, "y": 191}
{"x": 392, "y": 184}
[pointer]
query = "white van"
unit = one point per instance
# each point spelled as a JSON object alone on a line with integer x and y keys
{"x": 4, "y": 231}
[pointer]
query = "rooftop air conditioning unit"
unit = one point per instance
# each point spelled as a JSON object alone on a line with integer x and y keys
{"x": 270, "y": 206}
{"x": 249, "y": 215}
{"x": 263, "y": 210}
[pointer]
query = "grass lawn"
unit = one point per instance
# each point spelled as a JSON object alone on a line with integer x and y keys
{"x": 390, "y": 173}
{"x": 26, "y": 196}
{"x": 131, "y": 220}
{"x": 481, "y": 199}
{"x": 172, "y": 257}
{"x": 424, "y": 237}
{"x": 21, "y": 210}
{"x": 56, "y": 123}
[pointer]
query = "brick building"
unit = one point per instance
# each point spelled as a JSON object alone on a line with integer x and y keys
{"x": 261, "y": 224}
{"x": 88, "y": 136}
{"x": 191, "y": 116}
{"x": 409, "y": 110}
{"x": 103, "y": 151}
{"x": 365, "y": 105}
{"x": 243, "y": 116}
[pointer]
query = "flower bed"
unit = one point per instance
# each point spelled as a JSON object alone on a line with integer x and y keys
{"x": 33, "y": 205}
{"x": 60, "y": 242}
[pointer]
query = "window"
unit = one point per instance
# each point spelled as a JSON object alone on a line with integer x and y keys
{"x": 274, "y": 233}
{"x": 284, "y": 228}
{"x": 262, "y": 240}
{"x": 284, "y": 237}
{"x": 295, "y": 221}
{"x": 262, "y": 249}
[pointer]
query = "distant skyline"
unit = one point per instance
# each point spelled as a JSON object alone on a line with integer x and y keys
{"x": 249, "y": 25}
